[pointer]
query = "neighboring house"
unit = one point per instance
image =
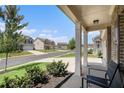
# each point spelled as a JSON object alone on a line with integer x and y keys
{"x": 96, "y": 44}
{"x": 28, "y": 44}
{"x": 41, "y": 44}
{"x": 62, "y": 45}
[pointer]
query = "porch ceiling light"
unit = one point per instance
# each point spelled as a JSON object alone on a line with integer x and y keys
{"x": 96, "y": 21}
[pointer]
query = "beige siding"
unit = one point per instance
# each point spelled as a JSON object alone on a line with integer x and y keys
{"x": 38, "y": 45}
{"x": 121, "y": 43}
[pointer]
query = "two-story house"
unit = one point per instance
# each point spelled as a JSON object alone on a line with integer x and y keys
{"x": 42, "y": 44}
{"x": 28, "y": 43}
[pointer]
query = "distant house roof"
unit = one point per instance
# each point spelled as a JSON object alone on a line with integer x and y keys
{"x": 45, "y": 40}
{"x": 62, "y": 43}
{"x": 28, "y": 38}
{"x": 41, "y": 39}
{"x": 97, "y": 38}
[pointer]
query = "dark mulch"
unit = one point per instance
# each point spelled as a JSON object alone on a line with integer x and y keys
{"x": 54, "y": 82}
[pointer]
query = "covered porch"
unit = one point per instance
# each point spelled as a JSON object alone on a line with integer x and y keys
{"x": 87, "y": 18}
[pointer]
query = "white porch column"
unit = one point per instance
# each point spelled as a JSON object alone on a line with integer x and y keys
{"x": 78, "y": 51}
{"x": 85, "y": 49}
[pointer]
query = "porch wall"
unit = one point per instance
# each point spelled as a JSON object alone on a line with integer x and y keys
{"x": 121, "y": 44}
{"x": 117, "y": 39}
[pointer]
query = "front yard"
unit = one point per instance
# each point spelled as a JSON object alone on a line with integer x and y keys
{"x": 35, "y": 75}
{"x": 2, "y": 55}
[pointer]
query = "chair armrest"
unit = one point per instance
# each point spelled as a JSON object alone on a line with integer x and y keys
{"x": 98, "y": 69}
{"x": 89, "y": 67}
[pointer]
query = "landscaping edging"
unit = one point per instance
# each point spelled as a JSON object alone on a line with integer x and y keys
{"x": 62, "y": 82}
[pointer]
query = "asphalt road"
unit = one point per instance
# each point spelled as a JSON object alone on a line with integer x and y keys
{"x": 26, "y": 59}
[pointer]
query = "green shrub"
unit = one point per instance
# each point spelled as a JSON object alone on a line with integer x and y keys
{"x": 23, "y": 82}
{"x": 100, "y": 54}
{"x": 90, "y": 51}
{"x": 8, "y": 83}
{"x": 32, "y": 77}
{"x": 36, "y": 76}
{"x": 57, "y": 68}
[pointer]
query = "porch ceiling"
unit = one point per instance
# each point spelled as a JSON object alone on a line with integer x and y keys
{"x": 86, "y": 14}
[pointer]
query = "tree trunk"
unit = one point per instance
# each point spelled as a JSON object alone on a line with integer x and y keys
{"x": 6, "y": 61}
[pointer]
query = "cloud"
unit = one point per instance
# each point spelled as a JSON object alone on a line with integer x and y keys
{"x": 50, "y": 34}
{"x": 49, "y": 31}
{"x": 45, "y": 35}
{"x": 28, "y": 32}
{"x": 60, "y": 39}
{"x": 2, "y": 27}
{"x": 55, "y": 38}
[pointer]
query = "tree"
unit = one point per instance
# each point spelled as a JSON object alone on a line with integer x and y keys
{"x": 71, "y": 44}
{"x": 11, "y": 37}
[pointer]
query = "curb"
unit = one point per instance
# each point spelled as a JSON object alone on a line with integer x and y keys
{"x": 62, "y": 82}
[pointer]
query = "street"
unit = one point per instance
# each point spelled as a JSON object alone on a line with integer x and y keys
{"x": 26, "y": 59}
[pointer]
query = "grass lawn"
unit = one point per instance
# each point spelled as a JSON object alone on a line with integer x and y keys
{"x": 20, "y": 71}
{"x": 73, "y": 55}
{"x": 2, "y": 55}
{"x": 46, "y": 51}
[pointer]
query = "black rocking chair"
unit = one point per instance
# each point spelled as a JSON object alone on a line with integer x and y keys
{"x": 112, "y": 77}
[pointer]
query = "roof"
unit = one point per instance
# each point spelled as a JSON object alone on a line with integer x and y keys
{"x": 45, "y": 40}
{"x": 28, "y": 37}
{"x": 97, "y": 38}
{"x": 62, "y": 43}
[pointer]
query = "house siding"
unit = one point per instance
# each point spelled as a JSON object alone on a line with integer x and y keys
{"x": 38, "y": 45}
{"x": 121, "y": 42}
{"x": 117, "y": 39}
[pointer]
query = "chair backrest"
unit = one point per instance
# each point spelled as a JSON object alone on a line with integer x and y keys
{"x": 112, "y": 68}
{"x": 117, "y": 81}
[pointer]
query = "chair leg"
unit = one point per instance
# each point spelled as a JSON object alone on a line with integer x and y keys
{"x": 82, "y": 83}
{"x": 87, "y": 83}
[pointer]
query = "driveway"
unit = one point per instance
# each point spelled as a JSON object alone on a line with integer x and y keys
{"x": 27, "y": 59}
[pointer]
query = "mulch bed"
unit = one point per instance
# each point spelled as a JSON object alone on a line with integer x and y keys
{"x": 54, "y": 82}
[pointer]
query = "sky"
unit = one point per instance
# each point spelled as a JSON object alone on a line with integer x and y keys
{"x": 47, "y": 22}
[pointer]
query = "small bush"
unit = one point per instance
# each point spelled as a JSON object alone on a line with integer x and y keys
{"x": 36, "y": 75}
{"x": 99, "y": 54}
{"x": 8, "y": 83}
{"x": 57, "y": 68}
{"x": 23, "y": 82}
{"x": 90, "y": 51}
